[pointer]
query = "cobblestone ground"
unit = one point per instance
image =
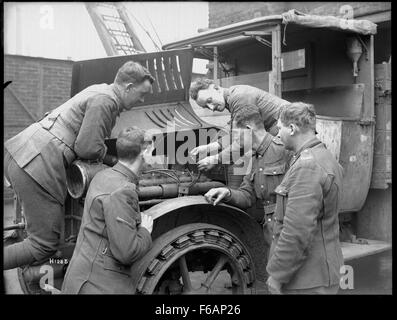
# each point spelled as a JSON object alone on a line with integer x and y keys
{"x": 372, "y": 275}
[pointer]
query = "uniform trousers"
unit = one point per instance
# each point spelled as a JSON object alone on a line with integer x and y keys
{"x": 43, "y": 214}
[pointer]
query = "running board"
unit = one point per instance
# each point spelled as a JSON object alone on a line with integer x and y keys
{"x": 352, "y": 251}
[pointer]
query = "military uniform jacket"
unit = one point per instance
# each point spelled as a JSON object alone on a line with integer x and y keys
{"x": 76, "y": 128}
{"x": 110, "y": 237}
{"x": 269, "y": 105}
{"x": 268, "y": 168}
{"x": 306, "y": 252}
{"x": 239, "y": 96}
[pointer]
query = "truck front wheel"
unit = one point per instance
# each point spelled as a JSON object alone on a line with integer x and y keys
{"x": 196, "y": 258}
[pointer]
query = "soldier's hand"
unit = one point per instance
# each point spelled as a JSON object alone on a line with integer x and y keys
{"x": 273, "y": 286}
{"x": 207, "y": 163}
{"x": 215, "y": 195}
{"x": 147, "y": 222}
{"x": 200, "y": 149}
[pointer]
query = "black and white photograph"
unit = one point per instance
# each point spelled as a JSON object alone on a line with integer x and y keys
{"x": 197, "y": 148}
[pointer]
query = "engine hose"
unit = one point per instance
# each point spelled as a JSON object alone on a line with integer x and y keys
{"x": 15, "y": 226}
{"x": 172, "y": 190}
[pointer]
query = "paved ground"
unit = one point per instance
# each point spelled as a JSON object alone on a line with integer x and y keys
{"x": 372, "y": 275}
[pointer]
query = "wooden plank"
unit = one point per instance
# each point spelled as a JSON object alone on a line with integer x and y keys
{"x": 175, "y": 71}
{"x": 352, "y": 251}
{"x": 275, "y": 88}
{"x": 185, "y": 66}
{"x": 160, "y": 75}
{"x": 145, "y": 63}
{"x": 168, "y": 73}
{"x": 152, "y": 70}
{"x": 216, "y": 65}
{"x": 259, "y": 80}
{"x": 366, "y": 76}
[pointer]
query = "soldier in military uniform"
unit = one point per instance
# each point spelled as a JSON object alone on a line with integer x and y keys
{"x": 36, "y": 159}
{"x": 211, "y": 96}
{"x": 306, "y": 255}
{"x": 269, "y": 163}
{"x": 113, "y": 233}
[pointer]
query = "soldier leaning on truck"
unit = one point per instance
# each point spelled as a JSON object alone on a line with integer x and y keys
{"x": 306, "y": 255}
{"x": 270, "y": 162}
{"x": 36, "y": 159}
{"x": 113, "y": 233}
{"x": 209, "y": 95}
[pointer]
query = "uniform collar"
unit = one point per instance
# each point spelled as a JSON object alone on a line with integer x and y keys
{"x": 132, "y": 177}
{"x": 309, "y": 144}
{"x": 117, "y": 94}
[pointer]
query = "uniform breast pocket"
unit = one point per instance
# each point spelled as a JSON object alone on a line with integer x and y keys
{"x": 272, "y": 177}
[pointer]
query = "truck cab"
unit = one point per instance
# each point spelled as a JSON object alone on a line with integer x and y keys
{"x": 330, "y": 63}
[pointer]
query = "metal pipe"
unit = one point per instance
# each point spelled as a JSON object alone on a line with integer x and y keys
{"x": 15, "y": 226}
{"x": 172, "y": 190}
{"x": 79, "y": 176}
{"x": 81, "y": 173}
{"x": 157, "y": 181}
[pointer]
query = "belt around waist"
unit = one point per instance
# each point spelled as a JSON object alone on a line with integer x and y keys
{"x": 60, "y": 132}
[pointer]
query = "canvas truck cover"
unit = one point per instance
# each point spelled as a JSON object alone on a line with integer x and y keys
{"x": 364, "y": 27}
{"x": 292, "y": 17}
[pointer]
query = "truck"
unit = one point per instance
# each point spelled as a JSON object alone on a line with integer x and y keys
{"x": 200, "y": 248}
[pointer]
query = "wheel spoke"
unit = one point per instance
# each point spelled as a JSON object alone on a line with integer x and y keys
{"x": 215, "y": 272}
{"x": 235, "y": 283}
{"x": 187, "y": 284}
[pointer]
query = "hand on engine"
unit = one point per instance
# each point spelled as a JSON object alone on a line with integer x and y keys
{"x": 147, "y": 222}
{"x": 207, "y": 163}
{"x": 215, "y": 195}
{"x": 273, "y": 286}
{"x": 200, "y": 149}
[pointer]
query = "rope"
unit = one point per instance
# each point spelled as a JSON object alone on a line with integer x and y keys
{"x": 151, "y": 23}
{"x": 287, "y": 18}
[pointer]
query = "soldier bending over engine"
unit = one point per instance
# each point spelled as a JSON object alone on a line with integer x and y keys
{"x": 113, "y": 232}
{"x": 211, "y": 96}
{"x": 269, "y": 163}
{"x": 36, "y": 159}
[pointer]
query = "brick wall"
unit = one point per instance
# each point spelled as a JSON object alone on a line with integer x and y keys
{"x": 38, "y": 85}
{"x": 224, "y": 13}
